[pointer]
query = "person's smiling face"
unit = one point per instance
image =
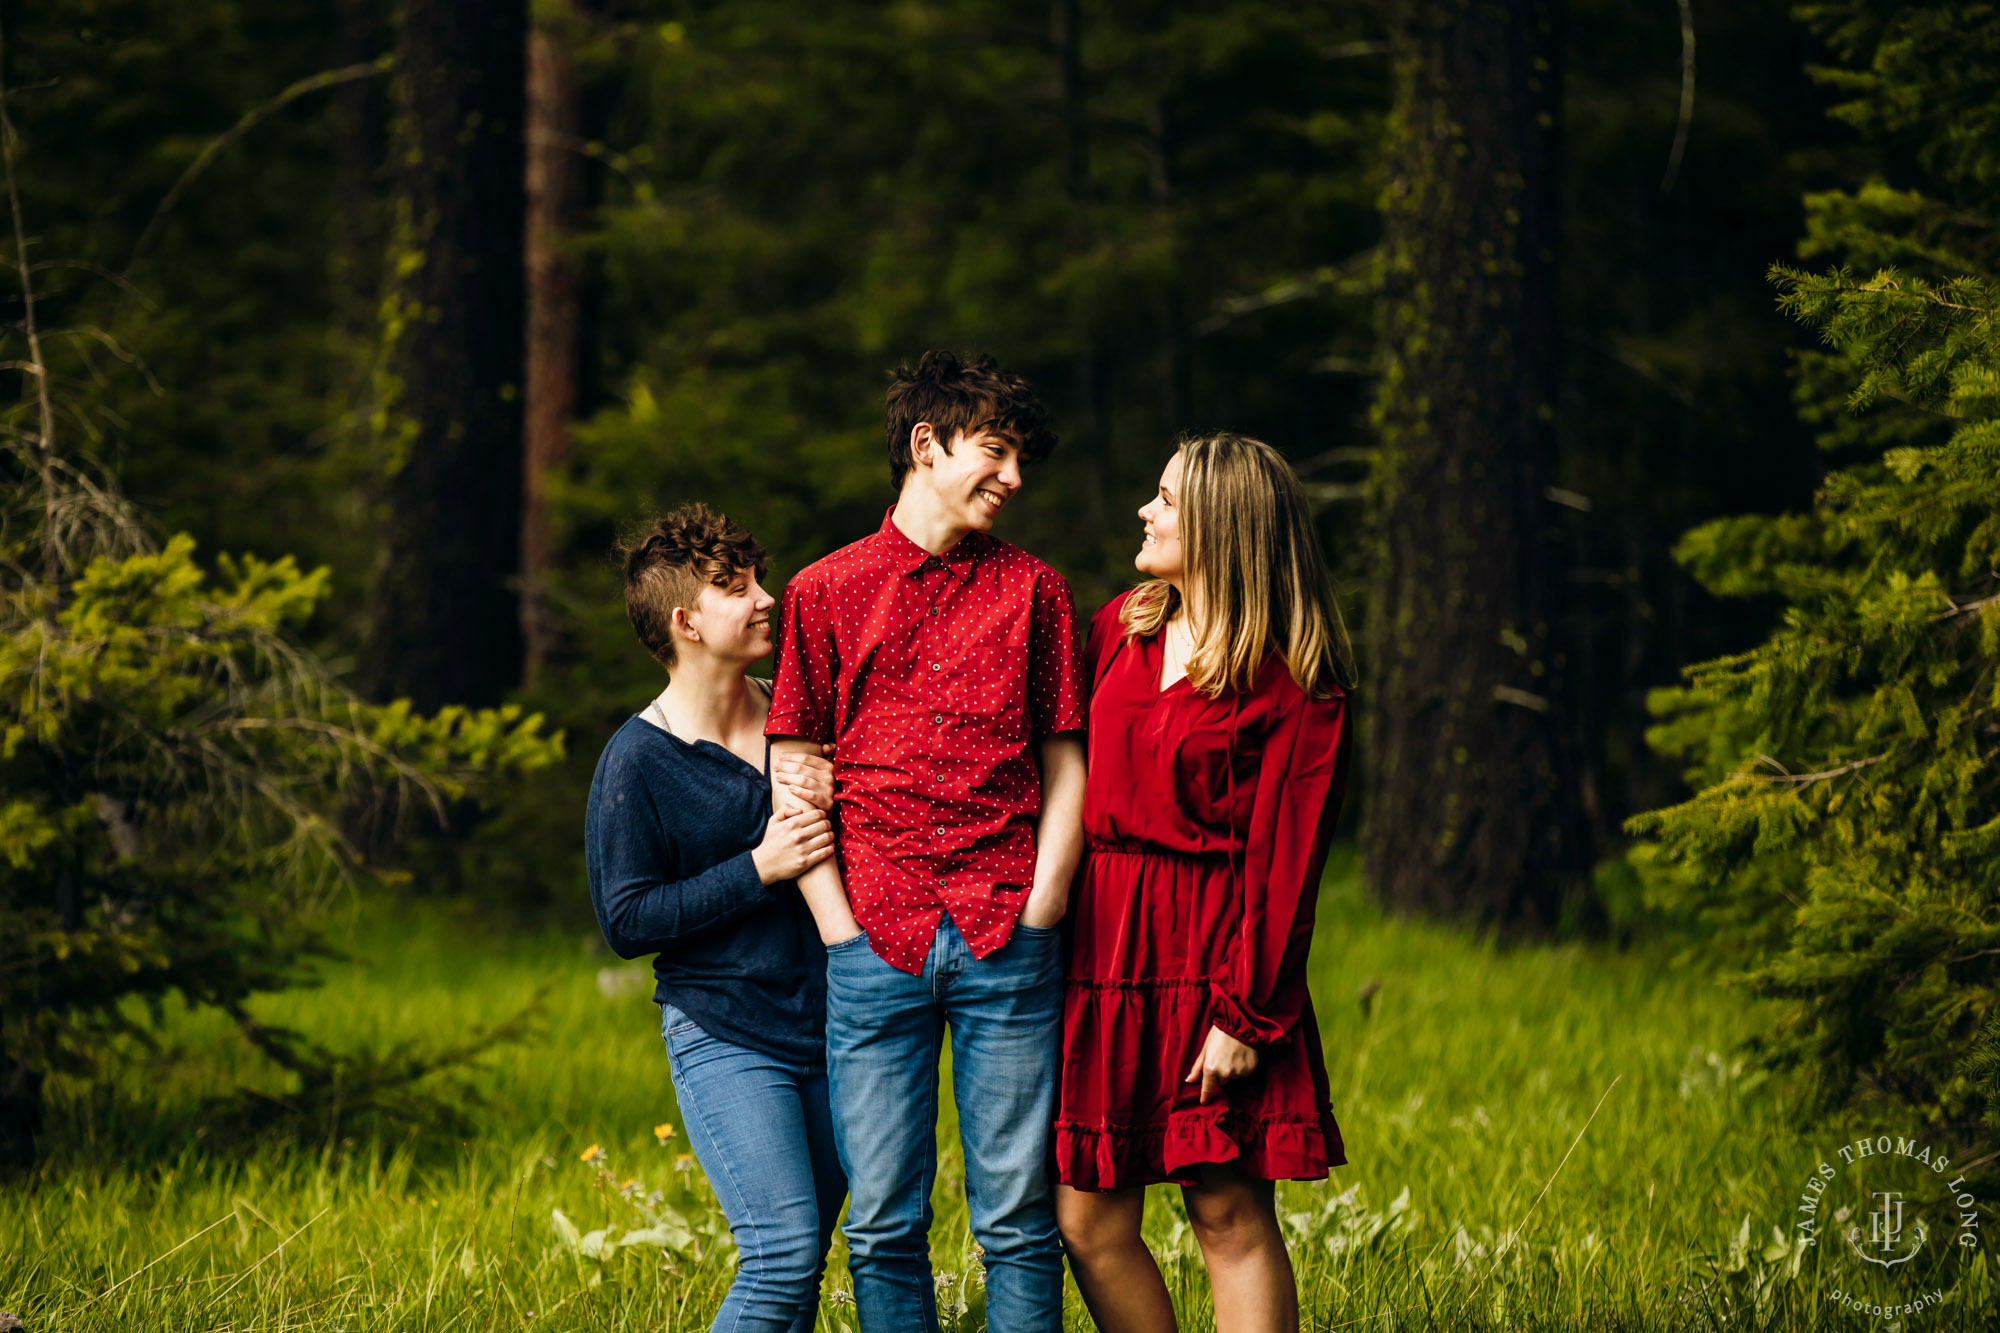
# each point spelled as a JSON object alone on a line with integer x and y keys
{"x": 733, "y": 618}
{"x": 974, "y": 481}
{"x": 1160, "y": 552}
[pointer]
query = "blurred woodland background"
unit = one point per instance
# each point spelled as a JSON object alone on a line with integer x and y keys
{"x": 732, "y": 220}
{"x": 436, "y": 298}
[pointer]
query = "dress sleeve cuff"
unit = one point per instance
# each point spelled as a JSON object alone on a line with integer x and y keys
{"x": 1224, "y": 1012}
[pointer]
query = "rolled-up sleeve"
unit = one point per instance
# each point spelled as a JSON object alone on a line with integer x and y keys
{"x": 1057, "y": 697}
{"x": 803, "y": 681}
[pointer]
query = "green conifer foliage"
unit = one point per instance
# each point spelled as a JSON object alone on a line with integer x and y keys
{"x": 1848, "y": 814}
{"x": 1848, "y": 808}
{"x": 181, "y": 781}
{"x": 182, "y": 786}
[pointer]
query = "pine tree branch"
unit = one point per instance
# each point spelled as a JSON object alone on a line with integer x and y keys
{"x": 331, "y": 78}
{"x": 1959, "y": 608}
{"x": 1803, "y": 780}
{"x": 1685, "y": 121}
{"x": 46, "y": 445}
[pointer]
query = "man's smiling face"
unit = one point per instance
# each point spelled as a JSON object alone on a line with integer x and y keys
{"x": 977, "y": 478}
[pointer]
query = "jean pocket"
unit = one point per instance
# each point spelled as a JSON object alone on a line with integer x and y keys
{"x": 848, "y": 945}
{"x": 673, "y": 1022}
{"x": 1022, "y": 928}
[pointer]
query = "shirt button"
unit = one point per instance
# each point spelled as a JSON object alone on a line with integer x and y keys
{"x": 938, "y": 718}
{"x": 936, "y": 667}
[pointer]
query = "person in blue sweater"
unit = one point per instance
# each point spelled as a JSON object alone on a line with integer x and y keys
{"x": 686, "y": 862}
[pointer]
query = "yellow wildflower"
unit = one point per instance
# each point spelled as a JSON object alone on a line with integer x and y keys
{"x": 663, "y": 1132}
{"x": 592, "y": 1153}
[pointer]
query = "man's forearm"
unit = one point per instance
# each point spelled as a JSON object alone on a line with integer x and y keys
{"x": 821, "y": 886}
{"x": 1059, "y": 831}
{"x": 826, "y": 899}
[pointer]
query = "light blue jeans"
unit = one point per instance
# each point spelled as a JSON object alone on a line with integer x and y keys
{"x": 884, "y": 1033}
{"x": 762, "y": 1131}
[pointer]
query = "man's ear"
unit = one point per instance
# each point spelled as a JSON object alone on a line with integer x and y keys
{"x": 922, "y": 440}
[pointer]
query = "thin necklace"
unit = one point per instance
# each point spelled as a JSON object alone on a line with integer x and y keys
{"x": 661, "y": 713}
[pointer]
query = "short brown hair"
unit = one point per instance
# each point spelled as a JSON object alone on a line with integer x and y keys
{"x": 963, "y": 396}
{"x": 668, "y": 564}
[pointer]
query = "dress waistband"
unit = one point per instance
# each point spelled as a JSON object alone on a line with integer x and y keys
{"x": 1101, "y": 848}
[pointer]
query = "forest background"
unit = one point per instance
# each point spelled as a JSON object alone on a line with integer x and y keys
{"x": 438, "y": 299}
{"x": 1169, "y": 219}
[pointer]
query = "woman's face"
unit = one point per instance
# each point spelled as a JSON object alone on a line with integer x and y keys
{"x": 1160, "y": 554}
{"x": 732, "y": 620}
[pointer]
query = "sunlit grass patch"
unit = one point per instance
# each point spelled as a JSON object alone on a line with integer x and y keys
{"x": 1461, "y": 1081}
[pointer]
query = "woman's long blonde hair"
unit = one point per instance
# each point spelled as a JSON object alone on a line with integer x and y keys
{"x": 1256, "y": 581}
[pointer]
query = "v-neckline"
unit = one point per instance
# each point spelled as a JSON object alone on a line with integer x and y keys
{"x": 663, "y": 729}
{"x": 706, "y": 746}
{"x": 1155, "y": 670}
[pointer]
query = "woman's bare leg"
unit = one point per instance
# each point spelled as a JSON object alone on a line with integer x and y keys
{"x": 1113, "y": 1268}
{"x": 1235, "y": 1222}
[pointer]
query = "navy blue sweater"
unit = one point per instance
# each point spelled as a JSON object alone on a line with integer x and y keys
{"x": 668, "y": 838}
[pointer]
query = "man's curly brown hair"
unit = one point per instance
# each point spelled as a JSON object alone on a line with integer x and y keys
{"x": 963, "y": 396}
{"x": 668, "y": 564}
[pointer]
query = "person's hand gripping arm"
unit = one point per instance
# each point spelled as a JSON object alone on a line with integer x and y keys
{"x": 796, "y": 787}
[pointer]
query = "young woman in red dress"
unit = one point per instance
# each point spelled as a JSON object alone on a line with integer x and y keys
{"x": 1218, "y": 743}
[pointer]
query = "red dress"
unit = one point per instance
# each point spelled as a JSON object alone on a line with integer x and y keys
{"x": 1206, "y": 824}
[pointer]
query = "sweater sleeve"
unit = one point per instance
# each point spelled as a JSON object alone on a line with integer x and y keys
{"x": 646, "y": 898}
{"x": 1261, "y": 990}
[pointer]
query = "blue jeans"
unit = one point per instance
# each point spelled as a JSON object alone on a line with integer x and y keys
{"x": 762, "y": 1131}
{"x": 884, "y": 1032}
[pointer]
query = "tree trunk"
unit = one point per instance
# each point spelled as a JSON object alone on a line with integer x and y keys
{"x": 446, "y": 616}
{"x": 20, "y": 1112}
{"x": 1090, "y": 437}
{"x": 356, "y": 246}
{"x": 555, "y": 211}
{"x": 1472, "y": 809}
{"x": 1173, "y": 348}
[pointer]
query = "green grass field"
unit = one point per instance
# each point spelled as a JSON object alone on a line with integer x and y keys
{"x": 1459, "y": 1089}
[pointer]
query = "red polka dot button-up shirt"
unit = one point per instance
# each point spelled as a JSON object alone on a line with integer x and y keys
{"x": 933, "y": 677}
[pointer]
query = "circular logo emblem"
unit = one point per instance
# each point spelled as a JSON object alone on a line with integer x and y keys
{"x": 1890, "y": 1218}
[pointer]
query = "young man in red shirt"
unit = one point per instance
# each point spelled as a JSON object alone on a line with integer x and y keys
{"x": 944, "y": 666}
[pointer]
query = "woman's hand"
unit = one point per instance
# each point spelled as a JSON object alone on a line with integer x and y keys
{"x": 793, "y": 844}
{"x": 807, "y": 777}
{"x": 1222, "y": 1058}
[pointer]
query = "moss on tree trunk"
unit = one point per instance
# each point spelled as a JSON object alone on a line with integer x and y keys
{"x": 1471, "y": 809}
{"x": 446, "y": 624}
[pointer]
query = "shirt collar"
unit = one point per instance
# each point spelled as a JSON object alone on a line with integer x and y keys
{"x": 909, "y": 558}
